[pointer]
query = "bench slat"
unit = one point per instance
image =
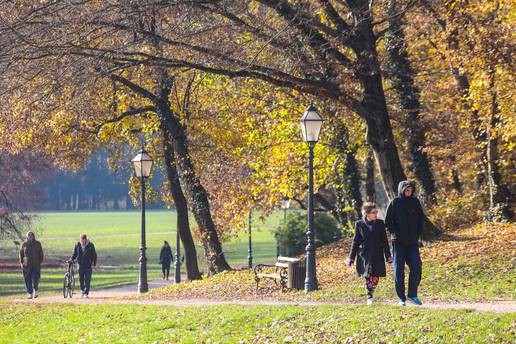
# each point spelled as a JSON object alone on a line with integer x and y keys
{"x": 273, "y": 276}
{"x": 288, "y": 259}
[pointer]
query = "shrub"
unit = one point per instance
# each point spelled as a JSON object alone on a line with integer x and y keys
{"x": 453, "y": 211}
{"x": 291, "y": 235}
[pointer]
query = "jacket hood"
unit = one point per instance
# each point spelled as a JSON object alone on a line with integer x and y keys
{"x": 405, "y": 184}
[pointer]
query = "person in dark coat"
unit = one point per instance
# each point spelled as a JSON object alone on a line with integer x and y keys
{"x": 165, "y": 259}
{"x": 86, "y": 257}
{"x": 369, "y": 247}
{"x": 31, "y": 257}
{"x": 404, "y": 220}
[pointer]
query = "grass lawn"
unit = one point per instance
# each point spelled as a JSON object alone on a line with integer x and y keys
{"x": 116, "y": 236}
{"x": 473, "y": 264}
{"x": 11, "y": 283}
{"x": 248, "y": 324}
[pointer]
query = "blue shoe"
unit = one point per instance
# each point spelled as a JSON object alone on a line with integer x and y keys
{"x": 415, "y": 300}
{"x": 402, "y": 303}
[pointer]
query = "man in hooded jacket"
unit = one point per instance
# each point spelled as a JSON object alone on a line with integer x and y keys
{"x": 31, "y": 257}
{"x": 404, "y": 220}
{"x": 86, "y": 257}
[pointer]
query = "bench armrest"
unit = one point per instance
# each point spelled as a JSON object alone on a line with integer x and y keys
{"x": 258, "y": 268}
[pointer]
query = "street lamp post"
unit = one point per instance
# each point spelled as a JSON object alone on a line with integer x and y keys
{"x": 285, "y": 204}
{"x": 142, "y": 164}
{"x": 310, "y": 123}
{"x": 177, "y": 264}
{"x": 249, "y": 245}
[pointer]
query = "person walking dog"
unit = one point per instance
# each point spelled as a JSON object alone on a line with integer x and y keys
{"x": 165, "y": 259}
{"x": 86, "y": 257}
{"x": 404, "y": 220}
{"x": 370, "y": 246}
{"x": 31, "y": 257}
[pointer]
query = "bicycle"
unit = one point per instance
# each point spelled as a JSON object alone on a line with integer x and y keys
{"x": 69, "y": 280}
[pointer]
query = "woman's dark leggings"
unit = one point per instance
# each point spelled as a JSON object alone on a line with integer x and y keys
{"x": 166, "y": 269}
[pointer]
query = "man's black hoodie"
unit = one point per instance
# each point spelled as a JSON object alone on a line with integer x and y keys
{"x": 405, "y": 217}
{"x": 85, "y": 257}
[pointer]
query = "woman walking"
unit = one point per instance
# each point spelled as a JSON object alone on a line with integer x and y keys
{"x": 165, "y": 258}
{"x": 369, "y": 247}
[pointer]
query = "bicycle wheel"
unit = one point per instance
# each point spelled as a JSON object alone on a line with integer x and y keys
{"x": 72, "y": 285}
{"x": 65, "y": 285}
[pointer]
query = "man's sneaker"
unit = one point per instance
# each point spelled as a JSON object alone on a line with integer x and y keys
{"x": 86, "y": 296}
{"x": 29, "y": 296}
{"x": 35, "y": 295}
{"x": 415, "y": 300}
{"x": 402, "y": 303}
{"x": 82, "y": 295}
{"x": 370, "y": 301}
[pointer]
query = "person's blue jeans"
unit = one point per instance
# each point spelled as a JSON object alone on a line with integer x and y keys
{"x": 31, "y": 277}
{"x": 406, "y": 254}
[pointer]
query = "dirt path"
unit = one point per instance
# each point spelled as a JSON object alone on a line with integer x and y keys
{"x": 124, "y": 294}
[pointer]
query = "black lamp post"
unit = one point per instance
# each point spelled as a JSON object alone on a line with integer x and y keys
{"x": 249, "y": 245}
{"x": 310, "y": 123}
{"x": 142, "y": 164}
{"x": 285, "y": 204}
{"x": 177, "y": 264}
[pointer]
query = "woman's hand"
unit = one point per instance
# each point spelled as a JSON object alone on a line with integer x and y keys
{"x": 389, "y": 260}
{"x": 349, "y": 262}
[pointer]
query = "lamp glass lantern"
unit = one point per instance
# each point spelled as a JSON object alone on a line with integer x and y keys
{"x": 142, "y": 164}
{"x": 285, "y": 203}
{"x": 311, "y": 124}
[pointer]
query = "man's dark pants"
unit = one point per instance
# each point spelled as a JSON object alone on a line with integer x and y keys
{"x": 406, "y": 254}
{"x": 85, "y": 279}
{"x": 31, "y": 277}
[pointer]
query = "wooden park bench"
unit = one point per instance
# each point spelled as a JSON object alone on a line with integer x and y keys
{"x": 287, "y": 272}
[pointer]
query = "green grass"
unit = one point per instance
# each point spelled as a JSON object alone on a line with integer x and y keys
{"x": 116, "y": 236}
{"x": 481, "y": 279}
{"x": 11, "y": 283}
{"x": 248, "y": 324}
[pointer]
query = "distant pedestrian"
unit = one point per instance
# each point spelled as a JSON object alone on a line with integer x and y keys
{"x": 165, "y": 259}
{"x": 31, "y": 257}
{"x": 86, "y": 257}
{"x": 404, "y": 220}
{"x": 370, "y": 246}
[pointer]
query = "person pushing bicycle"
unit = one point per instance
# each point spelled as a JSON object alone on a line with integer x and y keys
{"x": 86, "y": 256}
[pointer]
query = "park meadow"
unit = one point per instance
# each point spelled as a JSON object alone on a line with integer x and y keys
{"x": 257, "y": 171}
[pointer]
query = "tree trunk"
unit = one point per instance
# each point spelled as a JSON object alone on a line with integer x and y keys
{"x": 479, "y": 135}
{"x": 370, "y": 181}
{"x": 353, "y": 181}
{"x": 374, "y": 107}
{"x": 456, "y": 183}
{"x": 196, "y": 193}
{"x": 402, "y": 77}
{"x": 499, "y": 210}
{"x": 346, "y": 174}
{"x": 183, "y": 225}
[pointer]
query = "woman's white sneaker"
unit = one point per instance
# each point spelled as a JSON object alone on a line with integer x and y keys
{"x": 370, "y": 301}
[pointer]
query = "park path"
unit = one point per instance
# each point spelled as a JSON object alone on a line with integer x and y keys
{"x": 125, "y": 294}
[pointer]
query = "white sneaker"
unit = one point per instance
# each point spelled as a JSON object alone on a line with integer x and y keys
{"x": 86, "y": 296}
{"x": 370, "y": 301}
{"x": 29, "y": 296}
{"x": 35, "y": 295}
